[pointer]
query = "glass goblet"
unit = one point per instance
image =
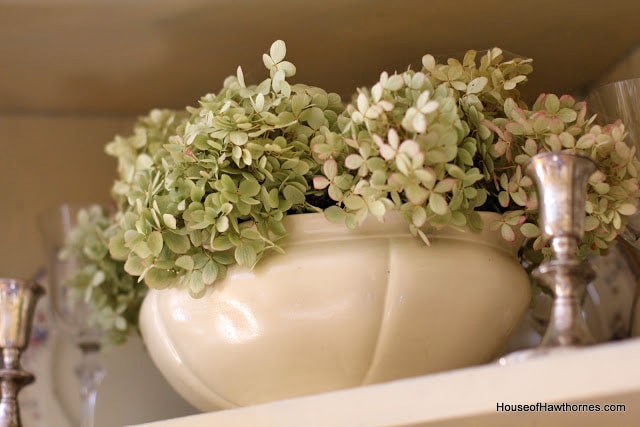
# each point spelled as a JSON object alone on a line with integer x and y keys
{"x": 71, "y": 313}
{"x": 621, "y": 100}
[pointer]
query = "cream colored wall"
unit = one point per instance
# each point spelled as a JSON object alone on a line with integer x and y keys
{"x": 45, "y": 161}
{"x": 626, "y": 68}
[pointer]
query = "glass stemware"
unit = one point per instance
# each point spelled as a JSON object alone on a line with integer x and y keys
{"x": 70, "y": 311}
{"x": 621, "y": 100}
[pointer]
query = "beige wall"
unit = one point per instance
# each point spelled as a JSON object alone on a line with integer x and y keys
{"x": 45, "y": 161}
{"x": 627, "y": 68}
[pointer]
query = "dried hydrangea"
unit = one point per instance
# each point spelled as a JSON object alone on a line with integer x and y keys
{"x": 215, "y": 193}
{"x": 207, "y": 188}
{"x": 113, "y": 296}
{"x": 442, "y": 143}
{"x": 141, "y": 154}
{"x": 415, "y": 142}
{"x": 562, "y": 124}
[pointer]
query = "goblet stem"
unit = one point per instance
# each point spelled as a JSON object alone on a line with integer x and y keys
{"x": 90, "y": 373}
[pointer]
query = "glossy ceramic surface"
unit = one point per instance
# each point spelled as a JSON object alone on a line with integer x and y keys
{"x": 340, "y": 309}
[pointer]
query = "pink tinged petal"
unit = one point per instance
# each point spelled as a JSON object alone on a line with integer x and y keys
{"x": 445, "y": 185}
{"x": 387, "y": 152}
{"x": 495, "y": 225}
{"x": 567, "y": 100}
{"x": 320, "y": 182}
{"x": 410, "y": 148}
{"x": 500, "y": 147}
{"x": 353, "y": 161}
{"x": 532, "y": 203}
{"x": 503, "y": 198}
{"x": 507, "y": 233}
{"x": 378, "y": 140}
{"x": 591, "y": 223}
{"x": 394, "y": 139}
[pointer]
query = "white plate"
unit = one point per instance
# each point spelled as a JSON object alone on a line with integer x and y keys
{"x": 132, "y": 392}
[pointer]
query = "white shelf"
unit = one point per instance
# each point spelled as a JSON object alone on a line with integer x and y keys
{"x": 603, "y": 374}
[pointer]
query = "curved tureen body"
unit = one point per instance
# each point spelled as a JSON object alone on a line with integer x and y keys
{"x": 341, "y": 308}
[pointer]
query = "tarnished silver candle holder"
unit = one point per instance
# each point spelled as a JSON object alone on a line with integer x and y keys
{"x": 18, "y": 299}
{"x": 561, "y": 181}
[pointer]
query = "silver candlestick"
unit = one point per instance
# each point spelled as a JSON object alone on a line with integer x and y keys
{"x": 561, "y": 181}
{"x": 18, "y": 300}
